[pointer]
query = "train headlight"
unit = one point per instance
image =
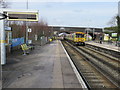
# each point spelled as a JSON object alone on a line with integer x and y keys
{"x": 83, "y": 40}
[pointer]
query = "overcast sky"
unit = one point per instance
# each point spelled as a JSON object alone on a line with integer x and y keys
{"x": 72, "y": 13}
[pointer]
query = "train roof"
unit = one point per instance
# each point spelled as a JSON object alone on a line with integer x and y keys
{"x": 79, "y": 33}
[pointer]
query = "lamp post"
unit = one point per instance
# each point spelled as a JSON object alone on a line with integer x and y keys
{"x": 26, "y": 24}
{"x": 93, "y": 32}
{"x": 87, "y": 29}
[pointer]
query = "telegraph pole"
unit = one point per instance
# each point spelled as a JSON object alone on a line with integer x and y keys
{"x": 118, "y": 21}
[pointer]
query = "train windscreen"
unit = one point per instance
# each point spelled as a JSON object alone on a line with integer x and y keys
{"x": 79, "y": 35}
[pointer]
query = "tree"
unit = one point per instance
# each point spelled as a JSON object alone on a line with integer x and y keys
{"x": 113, "y": 21}
{"x": 118, "y": 25}
{"x": 112, "y": 29}
{"x": 40, "y": 29}
{"x": 4, "y": 4}
{"x": 115, "y": 25}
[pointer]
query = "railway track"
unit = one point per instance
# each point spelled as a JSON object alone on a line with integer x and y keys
{"x": 108, "y": 66}
{"x": 97, "y": 70}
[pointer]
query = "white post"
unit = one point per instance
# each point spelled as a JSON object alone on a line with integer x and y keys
{"x": 93, "y": 32}
{"x": 87, "y": 29}
{"x": 2, "y": 42}
{"x": 87, "y": 35}
{"x": 103, "y": 30}
{"x": 26, "y": 33}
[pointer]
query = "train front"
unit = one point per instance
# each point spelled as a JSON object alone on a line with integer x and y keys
{"x": 79, "y": 38}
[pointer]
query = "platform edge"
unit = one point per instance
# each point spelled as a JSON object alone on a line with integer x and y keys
{"x": 74, "y": 69}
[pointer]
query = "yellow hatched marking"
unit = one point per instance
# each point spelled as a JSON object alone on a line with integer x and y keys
{"x": 2, "y": 41}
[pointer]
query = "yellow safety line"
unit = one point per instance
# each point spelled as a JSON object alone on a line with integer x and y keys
{"x": 22, "y": 19}
{"x": 2, "y": 41}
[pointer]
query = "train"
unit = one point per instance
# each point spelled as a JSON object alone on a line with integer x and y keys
{"x": 78, "y": 38}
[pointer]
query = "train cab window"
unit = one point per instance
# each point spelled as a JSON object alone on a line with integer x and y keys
{"x": 72, "y": 36}
{"x": 79, "y": 35}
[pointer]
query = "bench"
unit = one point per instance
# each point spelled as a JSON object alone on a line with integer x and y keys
{"x": 26, "y": 49}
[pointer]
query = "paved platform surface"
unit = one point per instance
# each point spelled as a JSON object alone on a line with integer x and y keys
{"x": 104, "y": 45}
{"x": 45, "y": 67}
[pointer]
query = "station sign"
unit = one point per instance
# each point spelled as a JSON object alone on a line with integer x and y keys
{"x": 114, "y": 35}
{"x": 22, "y": 16}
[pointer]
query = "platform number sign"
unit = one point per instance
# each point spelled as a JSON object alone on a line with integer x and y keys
{"x": 29, "y": 30}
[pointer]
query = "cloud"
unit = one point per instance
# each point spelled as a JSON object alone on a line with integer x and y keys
{"x": 74, "y": 13}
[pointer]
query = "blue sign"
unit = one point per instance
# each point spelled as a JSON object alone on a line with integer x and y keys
{"x": 8, "y": 28}
{"x": 17, "y": 41}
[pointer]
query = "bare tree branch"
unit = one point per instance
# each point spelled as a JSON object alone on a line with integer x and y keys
{"x": 113, "y": 21}
{"x": 4, "y": 4}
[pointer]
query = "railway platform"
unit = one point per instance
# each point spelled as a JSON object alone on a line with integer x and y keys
{"x": 45, "y": 67}
{"x": 105, "y": 46}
